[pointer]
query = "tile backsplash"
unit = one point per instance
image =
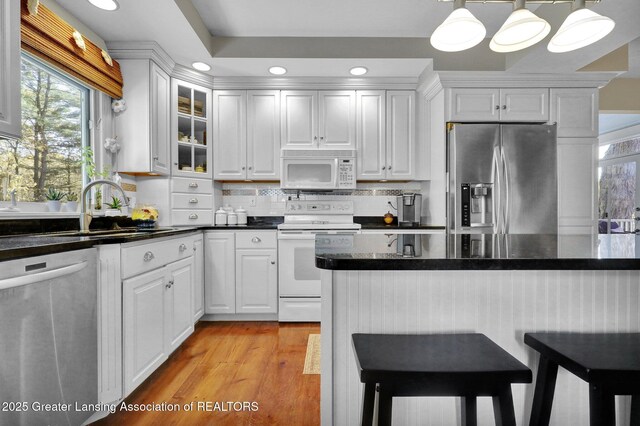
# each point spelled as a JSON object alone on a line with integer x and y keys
{"x": 267, "y": 199}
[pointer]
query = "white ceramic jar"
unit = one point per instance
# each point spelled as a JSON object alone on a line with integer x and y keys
{"x": 221, "y": 217}
{"x": 232, "y": 219}
{"x": 242, "y": 216}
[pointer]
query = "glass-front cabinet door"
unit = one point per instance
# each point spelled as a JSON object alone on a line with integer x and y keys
{"x": 191, "y": 130}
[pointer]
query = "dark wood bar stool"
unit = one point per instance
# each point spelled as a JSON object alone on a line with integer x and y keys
{"x": 609, "y": 362}
{"x": 464, "y": 365}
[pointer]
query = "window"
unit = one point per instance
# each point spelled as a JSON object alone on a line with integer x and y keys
{"x": 55, "y": 111}
{"x": 618, "y": 183}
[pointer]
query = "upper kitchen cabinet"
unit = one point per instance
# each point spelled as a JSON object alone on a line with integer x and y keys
{"x": 323, "y": 120}
{"x": 401, "y": 129}
{"x": 247, "y": 134}
{"x": 575, "y": 111}
{"x": 371, "y": 135}
{"x": 191, "y": 130}
{"x": 144, "y": 127}
{"x": 527, "y": 104}
{"x": 10, "y": 106}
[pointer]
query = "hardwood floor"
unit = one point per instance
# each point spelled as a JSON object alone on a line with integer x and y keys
{"x": 258, "y": 362}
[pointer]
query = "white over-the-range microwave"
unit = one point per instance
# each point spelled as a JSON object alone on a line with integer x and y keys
{"x": 318, "y": 170}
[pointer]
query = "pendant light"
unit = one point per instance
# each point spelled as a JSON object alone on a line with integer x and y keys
{"x": 581, "y": 28}
{"x": 521, "y": 30}
{"x": 460, "y": 31}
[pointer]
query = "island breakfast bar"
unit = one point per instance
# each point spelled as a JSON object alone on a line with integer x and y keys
{"x": 500, "y": 285}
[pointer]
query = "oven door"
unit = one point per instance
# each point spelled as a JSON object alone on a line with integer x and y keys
{"x": 297, "y": 272}
{"x": 309, "y": 173}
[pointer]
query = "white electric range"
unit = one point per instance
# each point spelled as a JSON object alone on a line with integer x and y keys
{"x": 298, "y": 277}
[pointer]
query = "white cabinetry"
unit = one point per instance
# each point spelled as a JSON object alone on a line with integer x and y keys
{"x": 324, "y": 120}
{"x": 575, "y": 111}
{"x": 480, "y": 104}
{"x": 10, "y": 106}
{"x": 143, "y": 128}
{"x": 241, "y": 272}
{"x": 401, "y": 128}
{"x": 247, "y": 134}
{"x": 198, "y": 277}
{"x": 220, "y": 273}
{"x": 371, "y": 135}
{"x": 180, "y": 300}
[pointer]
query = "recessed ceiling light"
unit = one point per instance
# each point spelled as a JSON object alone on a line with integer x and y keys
{"x": 278, "y": 70}
{"x": 358, "y": 71}
{"x": 109, "y": 5}
{"x": 460, "y": 31}
{"x": 201, "y": 66}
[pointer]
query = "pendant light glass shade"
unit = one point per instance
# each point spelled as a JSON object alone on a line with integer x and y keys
{"x": 521, "y": 30}
{"x": 581, "y": 28}
{"x": 460, "y": 31}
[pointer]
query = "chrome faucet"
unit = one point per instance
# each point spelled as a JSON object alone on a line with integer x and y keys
{"x": 85, "y": 218}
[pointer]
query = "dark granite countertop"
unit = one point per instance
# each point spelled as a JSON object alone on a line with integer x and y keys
{"x": 477, "y": 252}
{"x": 377, "y": 222}
{"x": 19, "y": 246}
{"x": 253, "y": 222}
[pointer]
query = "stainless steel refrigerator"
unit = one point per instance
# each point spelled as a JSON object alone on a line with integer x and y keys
{"x": 502, "y": 178}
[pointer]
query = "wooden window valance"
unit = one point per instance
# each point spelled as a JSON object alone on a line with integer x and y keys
{"x": 50, "y": 38}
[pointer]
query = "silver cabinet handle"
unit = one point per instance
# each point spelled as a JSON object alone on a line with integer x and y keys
{"x": 148, "y": 256}
{"x": 193, "y": 216}
{"x": 250, "y": 167}
{"x": 315, "y": 138}
{"x": 321, "y": 138}
{"x": 273, "y": 262}
{"x": 193, "y": 185}
{"x": 193, "y": 201}
{"x": 389, "y": 167}
{"x": 255, "y": 240}
{"x": 497, "y": 106}
{"x": 182, "y": 247}
{"x": 243, "y": 167}
{"x": 384, "y": 168}
{"x": 169, "y": 284}
{"x": 504, "y": 107}
{"x": 156, "y": 158}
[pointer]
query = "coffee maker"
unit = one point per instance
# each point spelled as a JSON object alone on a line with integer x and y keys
{"x": 409, "y": 208}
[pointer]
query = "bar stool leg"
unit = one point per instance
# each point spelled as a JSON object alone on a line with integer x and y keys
{"x": 385, "y": 402}
{"x": 602, "y": 407}
{"x": 503, "y": 408}
{"x": 469, "y": 411}
{"x": 543, "y": 395}
{"x": 368, "y": 401}
{"x": 635, "y": 410}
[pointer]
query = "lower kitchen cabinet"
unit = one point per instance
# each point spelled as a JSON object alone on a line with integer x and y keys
{"x": 241, "y": 272}
{"x": 256, "y": 281}
{"x": 157, "y": 318}
{"x": 198, "y": 278}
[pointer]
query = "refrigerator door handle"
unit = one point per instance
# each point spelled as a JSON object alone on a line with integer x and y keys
{"x": 495, "y": 178}
{"x": 505, "y": 174}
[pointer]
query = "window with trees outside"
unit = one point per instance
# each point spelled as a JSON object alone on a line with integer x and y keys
{"x": 55, "y": 111}
{"x": 618, "y": 175}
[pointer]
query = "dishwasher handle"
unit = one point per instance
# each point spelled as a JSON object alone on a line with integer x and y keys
{"x": 41, "y": 276}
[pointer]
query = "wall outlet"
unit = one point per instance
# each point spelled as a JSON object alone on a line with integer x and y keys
{"x": 252, "y": 202}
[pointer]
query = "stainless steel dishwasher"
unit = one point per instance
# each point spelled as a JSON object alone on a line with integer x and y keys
{"x": 48, "y": 339}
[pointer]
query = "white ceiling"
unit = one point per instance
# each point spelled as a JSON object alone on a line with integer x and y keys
{"x": 182, "y": 37}
{"x": 336, "y": 18}
{"x": 613, "y": 122}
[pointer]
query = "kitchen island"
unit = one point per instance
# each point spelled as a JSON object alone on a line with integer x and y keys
{"x": 502, "y": 286}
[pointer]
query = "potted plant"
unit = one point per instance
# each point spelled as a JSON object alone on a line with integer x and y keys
{"x": 54, "y": 198}
{"x": 113, "y": 207}
{"x": 72, "y": 202}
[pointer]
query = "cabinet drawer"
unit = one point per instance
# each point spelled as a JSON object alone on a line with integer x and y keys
{"x": 192, "y": 201}
{"x": 146, "y": 257}
{"x": 191, "y": 217}
{"x": 192, "y": 186}
{"x": 256, "y": 239}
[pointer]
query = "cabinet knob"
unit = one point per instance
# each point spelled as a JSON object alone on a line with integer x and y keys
{"x": 256, "y": 240}
{"x": 193, "y": 185}
{"x": 193, "y": 216}
{"x": 155, "y": 158}
{"x": 193, "y": 201}
{"x": 169, "y": 284}
{"x": 243, "y": 167}
{"x": 148, "y": 256}
{"x": 182, "y": 247}
{"x": 504, "y": 107}
{"x": 321, "y": 138}
{"x": 389, "y": 167}
{"x": 273, "y": 262}
{"x": 315, "y": 138}
{"x": 384, "y": 167}
{"x": 250, "y": 168}
{"x": 497, "y": 106}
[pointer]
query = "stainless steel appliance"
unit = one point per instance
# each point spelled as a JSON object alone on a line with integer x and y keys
{"x": 305, "y": 222}
{"x": 49, "y": 335}
{"x": 318, "y": 170}
{"x": 502, "y": 178}
{"x": 409, "y": 209}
